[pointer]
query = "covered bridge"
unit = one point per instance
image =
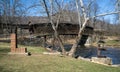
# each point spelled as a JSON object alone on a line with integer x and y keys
{"x": 67, "y": 25}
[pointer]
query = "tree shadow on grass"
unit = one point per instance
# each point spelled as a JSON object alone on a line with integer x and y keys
{"x": 4, "y": 50}
{"x": 3, "y": 69}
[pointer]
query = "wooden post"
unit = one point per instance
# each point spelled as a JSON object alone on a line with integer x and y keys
{"x": 98, "y": 52}
{"x": 44, "y": 41}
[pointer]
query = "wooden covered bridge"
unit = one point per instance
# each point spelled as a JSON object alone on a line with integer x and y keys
{"x": 45, "y": 29}
{"x": 40, "y": 26}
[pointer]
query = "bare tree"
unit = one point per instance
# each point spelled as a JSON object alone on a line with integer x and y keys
{"x": 53, "y": 25}
{"x": 73, "y": 49}
{"x": 86, "y": 19}
{"x": 118, "y": 9}
{"x": 81, "y": 11}
{"x": 11, "y": 10}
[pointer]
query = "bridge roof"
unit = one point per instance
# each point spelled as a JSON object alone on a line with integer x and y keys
{"x": 65, "y": 17}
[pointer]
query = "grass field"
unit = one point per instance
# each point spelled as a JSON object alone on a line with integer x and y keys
{"x": 38, "y": 62}
{"x": 113, "y": 43}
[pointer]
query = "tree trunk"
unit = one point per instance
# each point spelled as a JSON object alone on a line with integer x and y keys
{"x": 74, "y": 47}
{"x": 81, "y": 29}
{"x": 54, "y": 27}
{"x": 60, "y": 42}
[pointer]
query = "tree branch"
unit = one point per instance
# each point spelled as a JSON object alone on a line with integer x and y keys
{"x": 104, "y": 14}
{"x": 83, "y": 9}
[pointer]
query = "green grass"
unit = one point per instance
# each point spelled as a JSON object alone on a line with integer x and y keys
{"x": 5, "y": 47}
{"x": 113, "y": 43}
{"x": 34, "y": 49}
{"x": 46, "y": 63}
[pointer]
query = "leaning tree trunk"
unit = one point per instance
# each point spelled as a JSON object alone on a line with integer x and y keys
{"x": 61, "y": 43}
{"x": 54, "y": 28}
{"x": 74, "y": 47}
{"x": 81, "y": 29}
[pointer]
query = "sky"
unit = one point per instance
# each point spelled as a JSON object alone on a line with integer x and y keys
{"x": 105, "y": 6}
{"x": 32, "y": 11}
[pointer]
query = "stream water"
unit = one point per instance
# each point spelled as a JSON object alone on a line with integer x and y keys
{"x": 113, "y": 53}
{"x": 88, "y": 52}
